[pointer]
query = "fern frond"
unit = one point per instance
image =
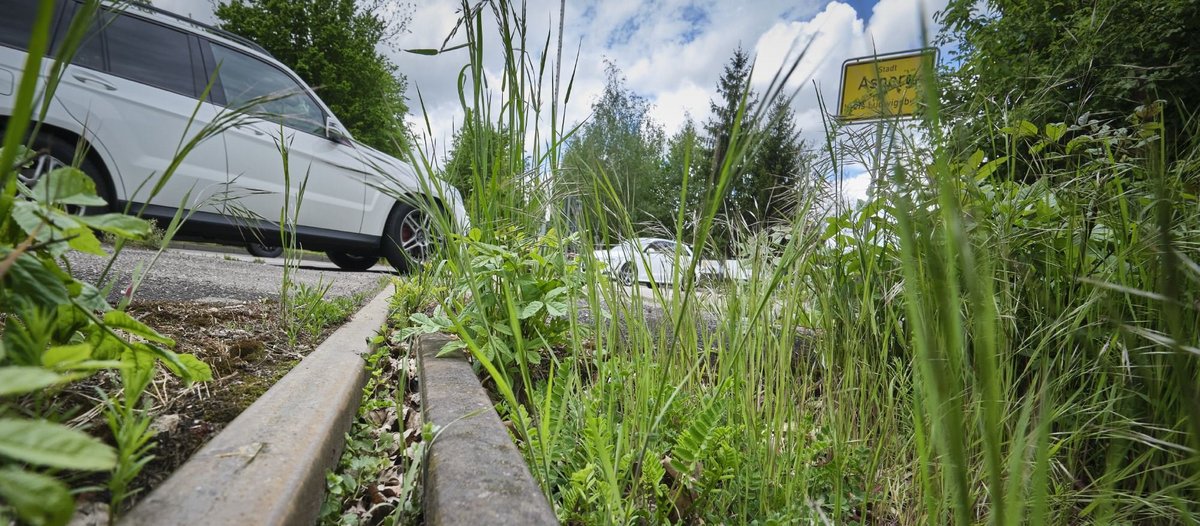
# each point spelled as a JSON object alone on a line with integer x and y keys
{"x": 691, "y": 445}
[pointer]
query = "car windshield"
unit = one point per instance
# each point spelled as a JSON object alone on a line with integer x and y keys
{"x": 662, "y": 246}
{"x": 272, "y": 93}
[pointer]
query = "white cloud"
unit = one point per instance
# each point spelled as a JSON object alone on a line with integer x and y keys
{"x": 821, "y": 40}
{"x": 673, "y": 107}
{"x": 201, "y": 10}
{"x": 898, "y": 24}
{"x": 855, "y": 187}
{"x": 670, "y": 51}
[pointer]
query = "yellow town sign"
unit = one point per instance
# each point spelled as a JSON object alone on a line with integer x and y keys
{"x": 883, "y": 86}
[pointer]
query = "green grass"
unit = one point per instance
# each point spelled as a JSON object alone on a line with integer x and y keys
{"x": 311, "y": 310}
{"x": 968, "y": 346}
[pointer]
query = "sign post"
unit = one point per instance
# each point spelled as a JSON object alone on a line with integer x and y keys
{"x": 881, "y": 87}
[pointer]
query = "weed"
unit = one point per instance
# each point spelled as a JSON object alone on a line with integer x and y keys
{"x": 380, "y": 470}
{"x": 311, "y": 311}
{"x": 131, "y": 432}
{"x": 512, "y": 303}
{"x": 151, "y": 241}
{"x": 58, "y": 329}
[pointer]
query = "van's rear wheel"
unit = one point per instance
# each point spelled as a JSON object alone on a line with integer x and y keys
{"x": 52, "y": 153}
{"x": 352, "y": 262}
{"x": 408, "y": 238}
{"x": 628, "y": 274}
{"x": 263, "y": 250}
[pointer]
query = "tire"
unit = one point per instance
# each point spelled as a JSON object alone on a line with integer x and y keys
{"x": 408, "y": 238}
{"x": 352, "y": 262}
{"x": 53, "y": 152}
{"x": 628, "y": 275}
{"x": 261, "y": 250}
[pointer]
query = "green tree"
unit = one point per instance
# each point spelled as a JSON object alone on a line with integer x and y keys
{"x": 773, "y": 176}
{"x": 334, "y": 46}
{"x": 734, "y": 98}
{"x": 1056, "y": 60}
{"x": 480, "y": 158}
{"x": 732, "y": 87}
{"x": 615, "y": 162}
{"x": 683, "y": 157}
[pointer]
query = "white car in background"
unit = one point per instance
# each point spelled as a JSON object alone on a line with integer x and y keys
{"x": 645, "y": 260}
{"x": 723, "y": 270}
{"x": 138, "y": 88}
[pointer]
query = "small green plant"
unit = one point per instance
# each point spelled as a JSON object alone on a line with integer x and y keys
{"x": 58, "y": 329}
{"x": 312, "y": 311}
{"x": 153, "y": 240}
{"x": 380, "y": 471}
{"x": 132, "y": 434}
{"x": 412, "y": 293}
{"x": 512, "y": 302}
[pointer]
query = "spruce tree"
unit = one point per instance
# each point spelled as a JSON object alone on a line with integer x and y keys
{"x": 731, "y": 87}
{"x": 734, "y": 98}
{"x": 773, "y": 176}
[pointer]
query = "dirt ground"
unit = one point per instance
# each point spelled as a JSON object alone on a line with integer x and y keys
{"x": 246, "y": 345}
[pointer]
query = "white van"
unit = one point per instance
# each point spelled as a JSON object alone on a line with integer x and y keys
{"x": 135, "y": 92}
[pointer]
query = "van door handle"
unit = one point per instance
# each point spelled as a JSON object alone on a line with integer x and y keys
{"x": 95, "y": 82}
{"x": 250, "y": 128}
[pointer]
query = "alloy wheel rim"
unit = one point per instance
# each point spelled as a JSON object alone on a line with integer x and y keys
{"x": 42, "y": 165}
{"x": 414, "y": 235}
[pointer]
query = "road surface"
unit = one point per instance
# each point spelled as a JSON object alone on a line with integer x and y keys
{"x": 200, "y": 275}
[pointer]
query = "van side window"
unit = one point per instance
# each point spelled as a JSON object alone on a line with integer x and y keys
{"x": 90, "y": 53}
{"x": 16, "y": 26}
{"x": 272, "y": 94}
{"x": 146, "y": 52}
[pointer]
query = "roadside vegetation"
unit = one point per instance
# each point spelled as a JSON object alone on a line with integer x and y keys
{"x": 1004, "y": 332}
{"x": 1007, "y": 331}
{"x": 59, "y": 331}
{"x": 379, "y": 477}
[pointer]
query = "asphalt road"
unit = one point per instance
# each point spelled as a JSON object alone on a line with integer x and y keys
{"x": 199, "y": 275}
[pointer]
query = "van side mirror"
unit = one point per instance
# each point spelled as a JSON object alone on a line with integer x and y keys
{"x": 334, "y": 131}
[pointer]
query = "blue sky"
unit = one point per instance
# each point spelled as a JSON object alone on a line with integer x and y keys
{"x": 863, "y": 7}
{"x": 671, "y": 51}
